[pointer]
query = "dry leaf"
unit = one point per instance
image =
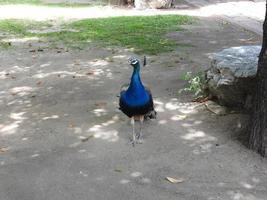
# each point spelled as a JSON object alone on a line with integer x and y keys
{"x": 71, "y": 125}
{"x": 90, "y": 73}
{"x": 87, "y": 138}
{"x": 3, "y": 149}
{"x": 39, "y": 83}
{"x": 174, "y": 180}
{"x": 100, "y": 104}
{"x": 117, "y": 170}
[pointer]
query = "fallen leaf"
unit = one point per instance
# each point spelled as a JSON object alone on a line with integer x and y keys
{"x": 71, "y": 125}
{"x": 117, "y": 170}
{"x": 90, "y": 73}
{"x": 76, "y": 62}
{"x": 87, "y": 138}
{"x": 3, "y": 149}
{"x": 100, "y": 104}
{"x": 201, "y": 99}
{"x": 174, "y": 180}
{"x": 39, "y": 83}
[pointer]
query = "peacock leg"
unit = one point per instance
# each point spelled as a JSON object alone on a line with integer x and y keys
{"x": 140, "y": 135}
{"x": 133, "y": 133}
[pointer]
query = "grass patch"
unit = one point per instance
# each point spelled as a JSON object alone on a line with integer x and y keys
{"x": 141, "y": 34}
{"x": 20, "y": 27}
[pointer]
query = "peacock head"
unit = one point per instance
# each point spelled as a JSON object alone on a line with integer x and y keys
{"x": 135, "y": 62}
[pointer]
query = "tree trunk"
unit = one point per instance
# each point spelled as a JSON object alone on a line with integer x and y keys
{"x": 142, "y": 4}
{"x": 258, "y": 129}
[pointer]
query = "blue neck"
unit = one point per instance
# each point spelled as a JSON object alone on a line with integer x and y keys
{"x": 136, "y": 82}
{"x": 136, "y": 94}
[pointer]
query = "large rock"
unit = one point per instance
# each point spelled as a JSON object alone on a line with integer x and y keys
{"x": 231, "y": 76}
{"x": 142, "y": 4}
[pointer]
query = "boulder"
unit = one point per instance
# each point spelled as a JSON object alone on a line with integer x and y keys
{"x": 231, "y": 76}
{"x": 143, "y": 4}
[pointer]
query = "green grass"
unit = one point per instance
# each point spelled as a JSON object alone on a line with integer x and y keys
{"x": 20, "y": 27}
{"x": 141, "y": 34}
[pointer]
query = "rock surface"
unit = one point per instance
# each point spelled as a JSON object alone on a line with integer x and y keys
{"x": 231, "y": 76}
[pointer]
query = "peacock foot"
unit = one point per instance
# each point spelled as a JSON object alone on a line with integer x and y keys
{"x": 140, "y": 141}
{"x": 133, "y": 142}
{"x": 139, "y": 138}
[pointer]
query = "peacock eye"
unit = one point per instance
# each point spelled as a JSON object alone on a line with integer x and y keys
{"x": 134, "y": 62}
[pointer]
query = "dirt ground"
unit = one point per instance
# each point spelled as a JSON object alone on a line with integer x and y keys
{"x": 62, "y": 136}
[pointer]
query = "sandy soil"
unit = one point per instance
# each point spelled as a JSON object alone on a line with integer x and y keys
{"x": 62, "y": 136}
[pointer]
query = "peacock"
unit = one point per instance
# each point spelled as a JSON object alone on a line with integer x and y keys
{"x": 136, "y": 101}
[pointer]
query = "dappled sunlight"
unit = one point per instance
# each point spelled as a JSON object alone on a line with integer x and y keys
{"x": 61, "y": 73}
{"x": 12, "y": 71}
{"x": 99, "y": 112}
{"x": 178, "y": 117}
{"x": 174, "y": 105}
{"x": 97, "y": 63}
{"x": 136, "y": 176}
{"x": 21, "y": 91}
{"x": 111, "y": 136}
{"x": 42, "y": 13}
{"x": 10, "y": 128}
{"x": 194, "y": 135}
{"x": 239, "y": 195}
{"x": 51, "y": 117}
{"x": 103, "y": 131}
{"x": 124, "y": 181}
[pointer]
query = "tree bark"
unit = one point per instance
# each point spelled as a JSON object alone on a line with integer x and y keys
{"x": 142, "y": 4}
{"x": 258, "y": 128}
